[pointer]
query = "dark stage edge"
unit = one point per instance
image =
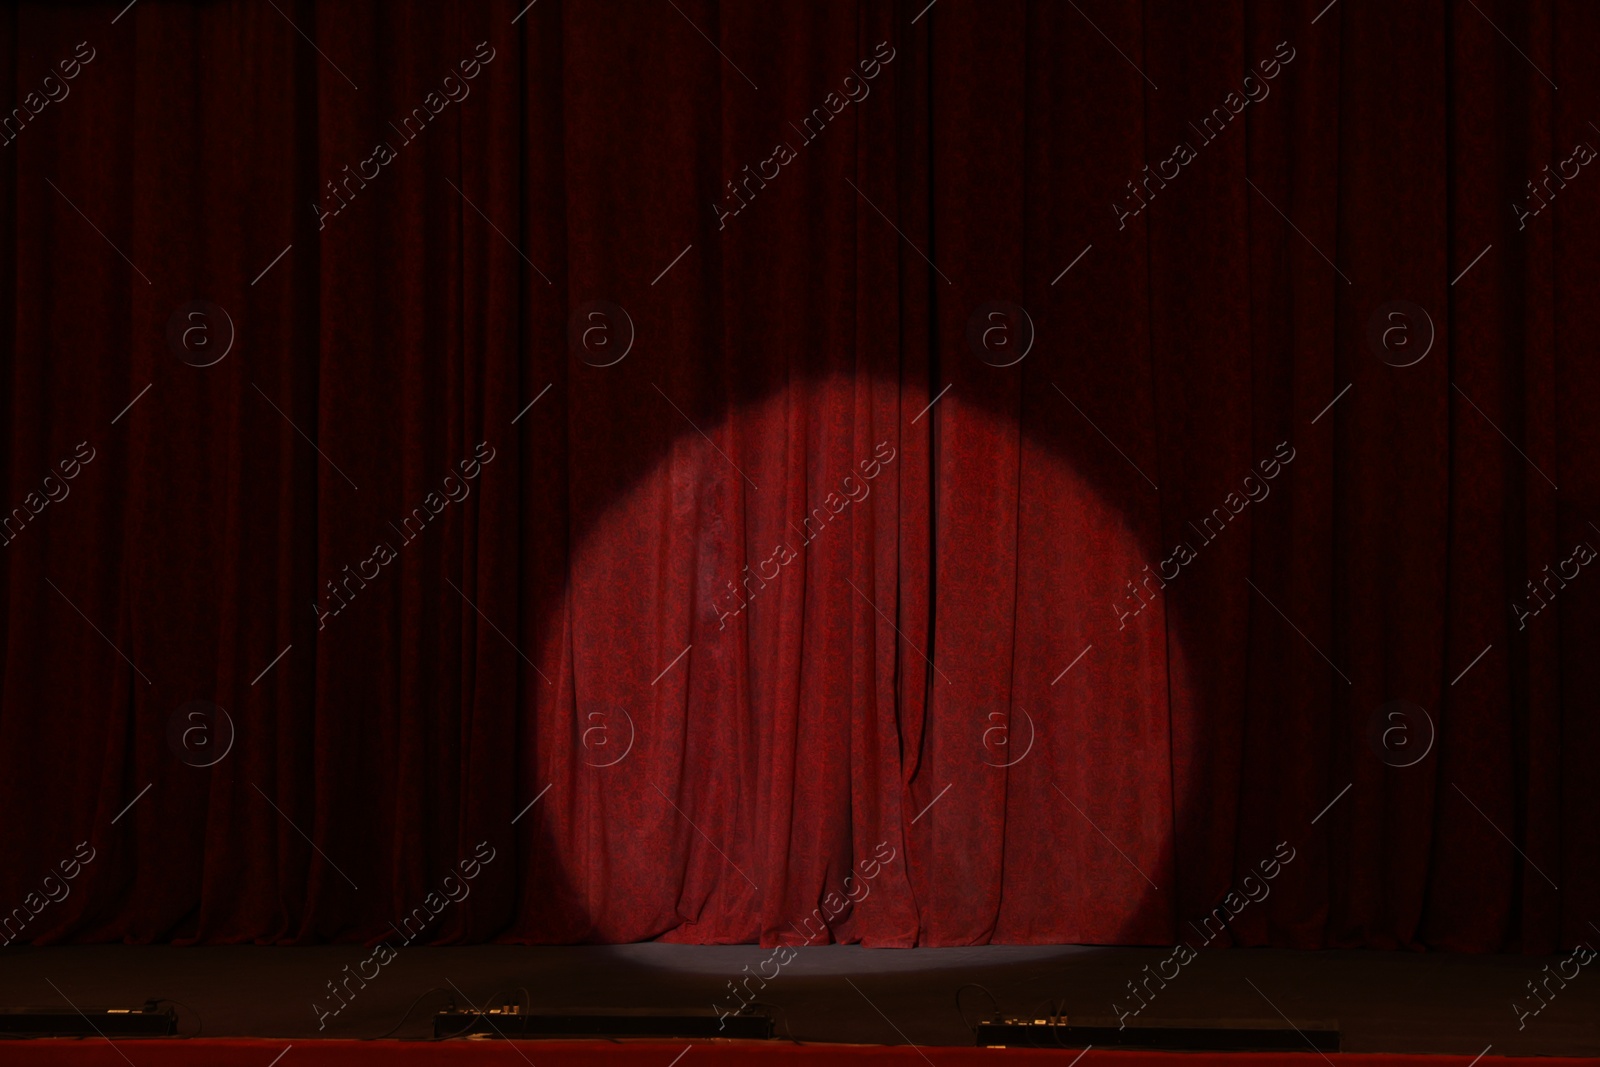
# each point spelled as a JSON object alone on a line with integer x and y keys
{"x": 258, "y": 1052}
{"x": 1385, "y": 1002}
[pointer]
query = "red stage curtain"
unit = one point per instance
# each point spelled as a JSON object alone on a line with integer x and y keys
{"x": 541, "y": 677}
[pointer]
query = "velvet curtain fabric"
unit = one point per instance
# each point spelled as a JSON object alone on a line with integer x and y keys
{"x": 1014, "y": 472}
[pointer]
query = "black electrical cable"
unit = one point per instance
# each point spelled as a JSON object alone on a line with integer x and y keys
{"x": 407, "y": 1015}
{"x": 781, "y": 1011}
{"x": 200, "y": 1023}
{"x": 963, "y": 1014}
{"x": 1057, "y": 1013}
{"x": 1055, "y": 1016}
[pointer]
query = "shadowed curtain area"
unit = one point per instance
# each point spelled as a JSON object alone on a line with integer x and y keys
{"x": 898, "y": 473}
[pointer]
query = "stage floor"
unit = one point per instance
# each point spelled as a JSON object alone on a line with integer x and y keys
{"x": 1385, "y": 1002}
